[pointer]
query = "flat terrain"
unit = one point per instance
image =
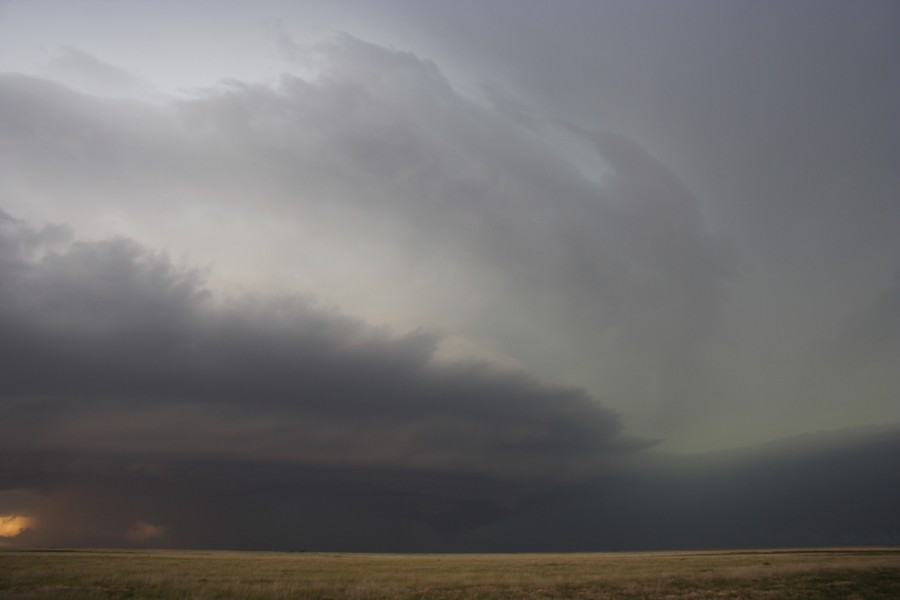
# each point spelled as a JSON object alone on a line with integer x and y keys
{"x": 846, "y": 573}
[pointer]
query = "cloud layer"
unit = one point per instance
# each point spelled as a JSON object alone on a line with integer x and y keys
{"x": 109, "y": 345}
{"x": 382, "y": 301}
{"x": 377, "y": 186}
{"x": 111, "y": 353}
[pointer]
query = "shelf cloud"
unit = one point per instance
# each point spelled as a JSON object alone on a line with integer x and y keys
{"x": 449, "y": 276}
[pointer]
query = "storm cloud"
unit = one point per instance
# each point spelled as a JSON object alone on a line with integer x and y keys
{"x": 109, "y": 345}
{"x": 115, "y": 356}
{"x": 449, "y": 275}
{"x": 514, "y": 247}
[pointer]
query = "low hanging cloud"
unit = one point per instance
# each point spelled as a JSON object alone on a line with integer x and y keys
{"x": 114, "y": 357}
{"x": 468, "y": 222}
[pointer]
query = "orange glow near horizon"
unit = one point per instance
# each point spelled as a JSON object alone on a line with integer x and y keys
{"x": 143, "y": 531}
{"x": 13, "y": 525}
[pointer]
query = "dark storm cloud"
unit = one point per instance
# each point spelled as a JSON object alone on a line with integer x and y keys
{"x": 79, "y": 498}
{"x": 674, "y": 206}
{"x": 567, "y": 272}
{"x": 621, "y": 267}
{"x": 822, "y": 491}
{"x": 115, "y": 356}
{"x": 829, "y": 489}
{"x": 118, "y": 357}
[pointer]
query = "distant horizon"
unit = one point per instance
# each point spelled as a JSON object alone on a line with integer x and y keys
{"x": 775, "y": 550}
{"x": 751, "y": 575}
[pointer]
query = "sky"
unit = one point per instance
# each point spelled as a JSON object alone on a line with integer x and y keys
{"x": 449, "y": 275}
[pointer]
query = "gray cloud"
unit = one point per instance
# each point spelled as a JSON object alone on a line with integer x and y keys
{"x": 373, "y": 166}
{"x": 111, "y": 351}
{"x": 816, "y": 490}
{"x": 684, "y": 210}
{"x": 506, "y": 238}
{"x": 88, "y": 73}
{"x": 608, "y": 269}
{"x": 781, "y": 120}
{"x": 820, "y": 490}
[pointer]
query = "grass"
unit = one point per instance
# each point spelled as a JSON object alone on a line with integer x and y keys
{"x": 845, "y": 573}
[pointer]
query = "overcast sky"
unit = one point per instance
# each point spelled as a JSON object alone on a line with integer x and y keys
{"x": 449, "y": 275}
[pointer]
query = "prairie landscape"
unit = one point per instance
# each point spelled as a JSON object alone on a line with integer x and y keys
{"x": 870, "y": 573}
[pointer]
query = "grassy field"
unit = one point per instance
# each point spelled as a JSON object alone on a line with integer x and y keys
{"x": 845, "y": 573}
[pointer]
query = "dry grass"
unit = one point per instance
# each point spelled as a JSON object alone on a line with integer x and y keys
{"x": 862, "y": 573}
